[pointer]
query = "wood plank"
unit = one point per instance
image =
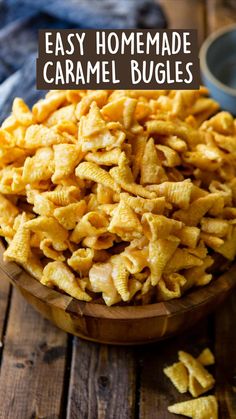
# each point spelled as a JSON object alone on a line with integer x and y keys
{"x": 185, "y": 14}
{"x": 156, "y": 390}
{"x": 220, "y": 13}
{"x": 225, "y": 351}
{"x": 33, "y": 365}
{"x": 4, "y": 302}
{"x": 102, "y": 384}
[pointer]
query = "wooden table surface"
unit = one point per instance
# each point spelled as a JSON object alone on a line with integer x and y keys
{"x": 46, "y": 374}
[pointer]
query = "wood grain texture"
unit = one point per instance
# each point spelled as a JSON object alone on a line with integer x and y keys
{"x": 156, "y": 390}
{"x": 33, "y": 365}
{"x": 102, "y": 384}
{"x": 185, "y": 14}
{"x": 225, "y": 351}
{"x": 220, "y": 13}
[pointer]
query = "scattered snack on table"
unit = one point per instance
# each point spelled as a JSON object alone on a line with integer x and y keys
{"x": 189, "y": 373}
{"x": 206, "y": 357}
{"x": 125, "y": 195}
{"x": 201, "y": 408}
{"x": 178, "y": 375}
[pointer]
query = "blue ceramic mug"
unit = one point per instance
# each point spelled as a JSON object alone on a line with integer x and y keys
{"x": 218, "y": 66}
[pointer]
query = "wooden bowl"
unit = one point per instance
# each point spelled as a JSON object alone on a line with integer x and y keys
{"x": 120, "y": 325}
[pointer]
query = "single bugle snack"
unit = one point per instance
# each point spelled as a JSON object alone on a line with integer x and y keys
{"x": 201, "y": 408}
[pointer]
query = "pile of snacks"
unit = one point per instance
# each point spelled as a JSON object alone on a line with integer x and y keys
{"x": 190, "y": 374}
{"x": 128, "y": 195}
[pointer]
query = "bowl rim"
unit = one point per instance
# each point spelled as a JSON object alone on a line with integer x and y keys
{"x": 195, "y": 298}
{"x": 203, "y": 58}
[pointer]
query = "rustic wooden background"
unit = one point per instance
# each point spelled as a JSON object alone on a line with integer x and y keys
{"x": 46, "y": 374}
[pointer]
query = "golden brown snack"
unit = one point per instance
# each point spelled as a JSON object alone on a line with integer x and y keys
{"x": 135, "y": 186}
{"x": 201, "y": 408}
